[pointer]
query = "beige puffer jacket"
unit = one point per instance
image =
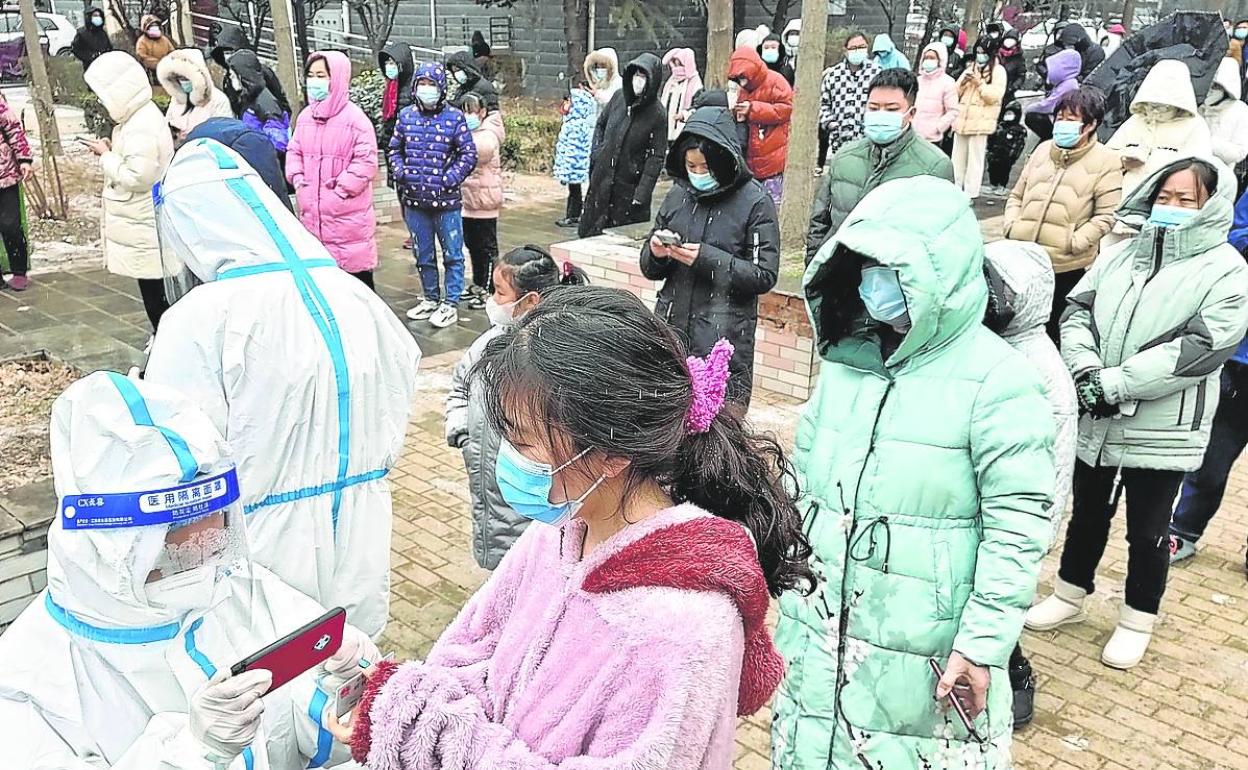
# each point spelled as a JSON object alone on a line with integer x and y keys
{"x": 979, "y": 101}
{"x": 1065, "y": 201}
{"x": 142, "y": 149}
{"x": 206, "y": 100}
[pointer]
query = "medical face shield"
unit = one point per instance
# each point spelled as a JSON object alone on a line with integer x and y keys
{"x": 178, "y": 278}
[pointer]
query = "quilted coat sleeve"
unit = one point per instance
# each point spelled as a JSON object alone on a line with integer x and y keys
{"x": 137, "y": 170}
{"x": 950, "y": 103}
{"x": 820, "y": 216}
{"x": 755, "y": 271}
{"x": 1012, "y": 433}
{"x": 457, "y": 399}
{"x": 1129, "y": 141}
{"x": 1207, "y": 341}
{"x": 357, "y": 178}
{"x": 14, "y": 135}
{"x": 1106, "y": 195}
{"x": 294, "y": 150}
{"x": 1080, "y": 347}
{"x": 396, "y": 151}
{"x": 654, "y": 161}
{"x": 659, "y": 268}
{"x": 463, "y": 155}
{"x": 776, "y": 109}
{"x": 1014, "y": 203}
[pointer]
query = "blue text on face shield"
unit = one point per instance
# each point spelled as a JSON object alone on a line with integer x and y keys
{"x": 183, "y": 503}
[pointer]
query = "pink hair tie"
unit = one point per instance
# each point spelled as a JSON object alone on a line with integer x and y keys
{"x": 567, "y": 269}
{"x": 710, "y": 385}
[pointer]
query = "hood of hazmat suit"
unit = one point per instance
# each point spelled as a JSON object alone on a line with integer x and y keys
{"x": 150, "y": 593}
{"x": 307, "y": 373}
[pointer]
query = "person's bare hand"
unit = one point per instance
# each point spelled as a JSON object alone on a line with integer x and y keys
{"x": 342, "y": 731}
{"x": 741, "y": 111}
{"x": 686, "y": 253}
{"x": 98, "y": 146}
{"x": 27, "y": 171}
{"x": 964, "y": 678}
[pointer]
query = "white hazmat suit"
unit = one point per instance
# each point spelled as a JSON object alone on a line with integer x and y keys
{"x": 306, "y": 371}
{"x": 109, "y": 666}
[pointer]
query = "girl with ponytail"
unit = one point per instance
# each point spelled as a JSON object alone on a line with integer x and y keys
{"x": 627, "y": 628}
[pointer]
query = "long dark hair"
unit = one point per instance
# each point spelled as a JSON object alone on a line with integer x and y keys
{"x": 597, "y": 365}
{"x": 532, "y": 268}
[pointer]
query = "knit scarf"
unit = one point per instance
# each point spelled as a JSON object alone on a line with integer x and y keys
{"x": 390, "y": 100}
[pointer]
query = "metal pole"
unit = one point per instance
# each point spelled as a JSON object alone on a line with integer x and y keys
{"x": 287, "y": 65}
{"x": 593, "y": 18}
{"x": 41, "y": 89}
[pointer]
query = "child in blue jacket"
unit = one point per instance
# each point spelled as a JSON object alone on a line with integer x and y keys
{"x": 431, "y": 154}
{"x": 573, "y": 149}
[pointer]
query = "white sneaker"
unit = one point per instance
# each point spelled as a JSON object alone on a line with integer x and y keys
{"x": 1127, "y": 646}
{"x": 1064, "y": 606}
{"x": 444, "y": 316}
{"x": 426, "y": 308}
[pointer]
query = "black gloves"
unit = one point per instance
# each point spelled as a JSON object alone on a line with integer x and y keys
{"x": 1092, "y": 396}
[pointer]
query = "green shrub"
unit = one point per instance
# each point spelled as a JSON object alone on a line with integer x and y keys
{"x": 530, "y": 145}
{"x": 366, "y": 91}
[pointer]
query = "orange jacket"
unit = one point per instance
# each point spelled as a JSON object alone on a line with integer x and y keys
{"x": 771, "y": 105}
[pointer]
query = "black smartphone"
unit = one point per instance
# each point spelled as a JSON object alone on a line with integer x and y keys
{"x": 956, "y": 703}
{"x": 669, "y": 239}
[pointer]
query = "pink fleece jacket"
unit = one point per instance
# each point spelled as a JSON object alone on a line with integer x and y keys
{"x": 936, "y": 107}
{"x": 641, "y": 655}
{"x": 331, "y": 161}
{"x": 483, "y": 189}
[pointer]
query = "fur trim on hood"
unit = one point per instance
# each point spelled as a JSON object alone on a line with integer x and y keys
{"x": 185, "y": 64}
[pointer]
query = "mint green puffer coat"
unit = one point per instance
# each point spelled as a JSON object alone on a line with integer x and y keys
{"x": 926, "y": 479}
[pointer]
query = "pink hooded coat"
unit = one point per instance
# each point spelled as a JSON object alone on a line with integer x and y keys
{"x": 483, "y": 189}
{"x": 680, "y": 88}
{"x": 640, "y": 655}
{"x": 332, "y": 161}
{"x": 936, "y": 107}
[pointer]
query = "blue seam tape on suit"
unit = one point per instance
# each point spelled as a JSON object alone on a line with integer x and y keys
{"x": 81, "y": 628}
{"x": 206, "y": 666}
{"x": 141, "y": 415}
{"x": 324, "y": 738}
{"x": 323, "y": 489}
{"x": 270, "y": 267}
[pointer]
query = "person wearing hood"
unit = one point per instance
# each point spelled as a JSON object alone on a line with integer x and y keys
{"x": 936, "y": 107}
{"x": 1237, "y": 37}
{"x": 432, "y": 153}
{"x": 306, "y": 372}
{"x": 717, "y": 220}
{"x": 226, "y": 41}
{"x": 462, "y": 68}
{"x": 1010, "y": 57}
{"x": 773, "y": 54}
{"x": 623, "y": 629}
{"x": 844, "y": 91}
{"x": 1165, "y": 125}
{"x": 792, "y": 43}
{"x": 480, "y": 48}
{"x": 252, "y": 146}
{"x": 1073, "y": 37}
{"x": 1020, "y": 294}
{"x": 751, "y": 37}
{"x": 397, "y": 68}
{"x": 573, "y": 150}
{"x": 679, "y": 89}
{"x": 193, "y": 97}
{"x": 885, "y": 54}
{"x": 1005, "y": 147}
{"x": 1112, "y": 37}
{"x": 954, "y": 41}
{"x": 1062, "y": 77}
{"x": 943, "y": 556}
{"x": 259, "y": 107}
{"x": 121, "y": 661}
{"x": 1145, "y": 335}
{"x": 1226, "y": 115}
{"x": 630, "y": 140}
{"x": 892, "y": 149}
{"x": 152, "y": 45}
{"x": 980, "y": 91}
{"x": 993, "y": 36}
{"x": 602, "y": 73}
{"x": 91, "y": 39}
{"x": 132, "y": 161}
{"x": 719, "y": 99}
{"x": 332, "y": 162}
{"x": 765, "y": 104}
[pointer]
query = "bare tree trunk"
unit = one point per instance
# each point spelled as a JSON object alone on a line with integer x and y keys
{"x": 929, "y": 27}
{"x": 970, "y": 21}
{"x": 780, "y": 17}
{"x": 1128, "y": 15}
{"x": 41, "y": 89}
{"x": 738, "y": 15}
{"x": 799, "y": 178}
{"x": 287, "y": 66}
{"x": 576, "y": 28}
{"x": 719, "y": 36}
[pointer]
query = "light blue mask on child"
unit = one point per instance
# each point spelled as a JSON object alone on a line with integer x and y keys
{"x": 428, "y": 95}
{"x": 392, "y": 71}
{"x": 1170, "y": 216}
{"x": 525, "y": 486}
{"x": 473, "y": 121}
{"x": 186, "y": 86}
{"x": 702, "y": 182}
{"x": 880, "y": 291}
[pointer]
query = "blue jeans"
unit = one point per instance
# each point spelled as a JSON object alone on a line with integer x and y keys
{"x": 448, "y": 228}
{"x": 1203, "y": 489}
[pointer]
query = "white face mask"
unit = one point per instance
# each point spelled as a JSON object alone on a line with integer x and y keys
{"x": 186, "y": 591}
{"x": 234, "y": 81}
{"x": 639, "y": 84}
{"x": 501, "y": 315}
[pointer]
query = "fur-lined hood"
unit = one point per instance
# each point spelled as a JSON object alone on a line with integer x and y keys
{"x": 186, "y": 64}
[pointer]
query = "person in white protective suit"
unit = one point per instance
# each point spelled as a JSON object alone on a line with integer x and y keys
{"x": 305, "y": 370}
{"x": 151, "y": 598}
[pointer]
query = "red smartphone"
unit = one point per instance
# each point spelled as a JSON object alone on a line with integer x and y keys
{"x": 957, "y": 704}
{"x": 299, "y": 650}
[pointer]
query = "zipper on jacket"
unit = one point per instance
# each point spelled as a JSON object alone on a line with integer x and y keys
{"x": 1159, "y": 244}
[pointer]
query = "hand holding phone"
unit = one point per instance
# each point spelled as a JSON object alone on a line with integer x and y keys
{"x": 299, "y": 650}
{"x": 955, "y": 695}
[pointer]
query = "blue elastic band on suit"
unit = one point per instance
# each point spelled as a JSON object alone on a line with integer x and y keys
{"x": 140, "y": 414}
{"x": 323, "y": 489}
{"x": 324, "y": 738}
{"x": 271, "y": 267}
{"x": 206, "y": 666}
{"x": 65, "y": 619}
{"x": 317, "y": 306}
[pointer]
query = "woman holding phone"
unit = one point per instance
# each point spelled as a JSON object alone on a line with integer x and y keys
{"x": 717, "y": 220}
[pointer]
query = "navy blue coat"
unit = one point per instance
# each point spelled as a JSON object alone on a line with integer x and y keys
{"x": 253, "y": 145}
{"x": 431, "y": 152}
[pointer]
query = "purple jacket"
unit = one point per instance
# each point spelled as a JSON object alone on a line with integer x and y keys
{"x": 640, "y": 655}
{"x": 277, "y": 129}
{"x": 431, "y": 152}
{"x": 1063, "y": 76}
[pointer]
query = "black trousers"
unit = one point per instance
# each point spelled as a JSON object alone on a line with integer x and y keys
{"x": 366, "y": 277}
{"x": 1042, "y": 125}
{"x": 824, "y": 140}
{"x": 1150, "y": 498}
{"x": 11, "y": 230}
{"x": 1062, "y": 284}
{"x": 576, "y": 201}
{"x": 481, "y": 238}
{"x": 152, "y": 290}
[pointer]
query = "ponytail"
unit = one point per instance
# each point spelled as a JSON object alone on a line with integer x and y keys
{"x": 532, "y": 268}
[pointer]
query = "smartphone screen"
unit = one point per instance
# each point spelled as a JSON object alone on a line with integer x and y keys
{"x": 299, "y": 650}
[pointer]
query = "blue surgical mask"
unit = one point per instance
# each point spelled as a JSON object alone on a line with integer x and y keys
{"x": 882, "y": 127}
{"x": 97, "y": 21}
{"x": 1170, "y": 216}
{"x": 1241, "y": 34}
{"x": 526, "y": 484}
{"x": 930, "y": 65}
{"x": 702, "y": 182}
{"x": 461, "y": 77}
{"x": 857, "y": 57}
{"x": 1066, "y": 133}
{"x": 981, "y": 59}
{"x": 880, "y": 291}
{"x": 771, "y": 57}
{"x": 428, "y": 95}
{"x": 318, "y": 89}
{"x": 948, "y": 41}
{"x": 391, "y": 71}
{"x": 473, "y": 121}
{"x": 186, "y": 86}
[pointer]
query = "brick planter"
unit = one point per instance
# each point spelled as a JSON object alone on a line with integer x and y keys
{"x": 25, "y": 514}
{"x": 784, "y": 358}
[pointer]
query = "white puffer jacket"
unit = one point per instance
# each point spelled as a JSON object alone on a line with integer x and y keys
{"x": 205, "y": 100}
{"x": 1027, "y": 274}
{"x": 1228, "y": 119}
{"x": 142, "y": 149}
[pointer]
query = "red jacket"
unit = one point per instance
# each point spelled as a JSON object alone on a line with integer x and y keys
{"x": 771, "y": 105}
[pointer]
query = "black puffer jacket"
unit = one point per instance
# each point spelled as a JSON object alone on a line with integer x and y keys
{"x": 255, "y": 95}
{"x": 718, "y": 97}
{"x": 739, "y": 255}
{"x": 476, "y": 82}
{"x": 630, "y": 141}
{"x": 90, "y": 41}
{"x": 224, "y": 44}
{"x": 1075, "y": 36}
{"x": 400, "y": 54}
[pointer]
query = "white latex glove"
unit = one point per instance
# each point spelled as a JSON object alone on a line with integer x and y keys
{"x": 225, "y": 712}
{"x": 344, "y": 664}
